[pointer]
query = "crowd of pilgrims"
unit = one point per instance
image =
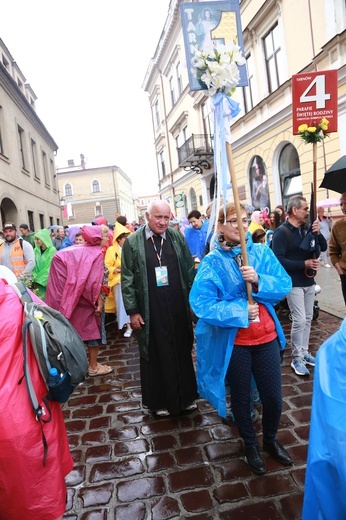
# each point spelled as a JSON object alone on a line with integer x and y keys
{"x": 176, "y": 283}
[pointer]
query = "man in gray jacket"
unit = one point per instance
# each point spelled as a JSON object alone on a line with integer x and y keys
{"x": 15, "y": 253}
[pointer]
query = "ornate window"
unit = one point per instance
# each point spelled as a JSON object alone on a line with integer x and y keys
{"x": 96, "y": 187}
{"x": 68, "y": 190}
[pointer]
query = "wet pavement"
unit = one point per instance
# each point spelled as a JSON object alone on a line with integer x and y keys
{"x": 130, "y": 465}
{"x": 330, "y": 299}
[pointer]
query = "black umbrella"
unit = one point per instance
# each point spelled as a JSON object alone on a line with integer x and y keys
{"x": 335, "y": 177}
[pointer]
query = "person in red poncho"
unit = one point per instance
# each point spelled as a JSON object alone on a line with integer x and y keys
{"x": 28, "y": 489}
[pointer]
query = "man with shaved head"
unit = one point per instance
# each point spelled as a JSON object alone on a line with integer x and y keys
{"x": 156, "y": 276}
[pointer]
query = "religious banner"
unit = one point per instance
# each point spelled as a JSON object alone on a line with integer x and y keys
{"x": 216, "y": 63}
{"x": 205, "y": 24}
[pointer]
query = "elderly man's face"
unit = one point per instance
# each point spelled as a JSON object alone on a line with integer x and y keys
{"x": 158, "y": 219}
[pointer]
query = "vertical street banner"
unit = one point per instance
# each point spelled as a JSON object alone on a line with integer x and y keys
{"x": 207, "y": 23}
{"x": 314, "y": 97}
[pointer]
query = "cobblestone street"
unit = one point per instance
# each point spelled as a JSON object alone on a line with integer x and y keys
{"x": 132, "y": 466}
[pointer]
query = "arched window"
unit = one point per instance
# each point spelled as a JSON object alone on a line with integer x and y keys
{"x": 193, "y": 199}
{"x": 186, "y": 209}
{"x": 96, "y": 187}
{"x": 212, "y": 187}
{"x": 259, "y": 184}
{"x": 68, "y": 190}
{"x": 289, "y": 171}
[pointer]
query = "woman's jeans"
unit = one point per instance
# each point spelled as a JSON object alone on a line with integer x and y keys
{"x": 263, "y": 361}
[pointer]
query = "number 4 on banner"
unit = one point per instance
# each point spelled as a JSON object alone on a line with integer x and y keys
{"x": 320, "y": 97}
{"x": 315, "y": 96}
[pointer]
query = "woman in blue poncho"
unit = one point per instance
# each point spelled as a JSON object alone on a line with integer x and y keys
{"x": 236, "y": 338}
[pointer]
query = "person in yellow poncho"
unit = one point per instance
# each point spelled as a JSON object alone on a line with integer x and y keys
{"x": 113, "y": 262}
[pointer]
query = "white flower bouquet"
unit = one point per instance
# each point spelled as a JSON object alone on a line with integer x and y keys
{"x": 217, "y": 69}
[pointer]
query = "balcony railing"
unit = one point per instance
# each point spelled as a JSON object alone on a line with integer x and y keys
{"x": 197, "y": 152}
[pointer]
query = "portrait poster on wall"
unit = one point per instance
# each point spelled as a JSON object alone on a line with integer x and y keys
{"x": 206, "y": 23}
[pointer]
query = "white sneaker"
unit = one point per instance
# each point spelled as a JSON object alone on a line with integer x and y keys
{"x": 327, "y": 265}
{"x": 128, "y": 333}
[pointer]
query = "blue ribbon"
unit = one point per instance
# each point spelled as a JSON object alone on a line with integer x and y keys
{"x": 234, "y": 105}
{"x": 220, "y": 153}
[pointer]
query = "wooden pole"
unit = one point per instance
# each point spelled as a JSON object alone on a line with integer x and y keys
{"x": 314, "y": 178}
{"x": 239, "y": 216}
{"x": 311, "y": 273}
{"x": 314, "y": 186}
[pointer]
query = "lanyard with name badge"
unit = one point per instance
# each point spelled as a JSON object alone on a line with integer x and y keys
{"x": 161, "y": 272}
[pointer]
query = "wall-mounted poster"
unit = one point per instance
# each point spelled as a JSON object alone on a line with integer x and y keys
{"x": 206, "y": 23}
{"x": 259, "y": 184}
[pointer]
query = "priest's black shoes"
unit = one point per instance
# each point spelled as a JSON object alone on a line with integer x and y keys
{"x": 278, "y": 452}
{"x": 255, "y": 460}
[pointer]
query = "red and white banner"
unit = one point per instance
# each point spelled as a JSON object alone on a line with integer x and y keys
{"x": 315, "y": 96}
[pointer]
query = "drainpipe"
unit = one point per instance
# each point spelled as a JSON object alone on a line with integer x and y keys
{"x": 167, "y": 139}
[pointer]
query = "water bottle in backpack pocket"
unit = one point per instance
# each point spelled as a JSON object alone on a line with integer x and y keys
{"x": 59, "y": 386}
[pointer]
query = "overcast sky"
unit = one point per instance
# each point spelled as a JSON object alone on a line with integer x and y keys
{"x": 86, "y": 62}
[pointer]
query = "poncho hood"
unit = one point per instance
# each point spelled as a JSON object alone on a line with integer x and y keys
{"x": 72, "y": 232}
{"x": 100, "y": 221}
{"x": 44, "y": 236}
{"x": 119, "y": 229}
{"x": 92, "y": 235}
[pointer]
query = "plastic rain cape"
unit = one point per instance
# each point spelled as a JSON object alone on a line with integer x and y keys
{"x": 325, "y": 484}
{"x": 219, "y": 299}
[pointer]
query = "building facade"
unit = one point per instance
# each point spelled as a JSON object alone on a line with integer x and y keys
{"x": 29, "y": 189}
{"x": 87, "y": 193}
{"x": 143, "y": 202}
{"x": 278, "y": 44}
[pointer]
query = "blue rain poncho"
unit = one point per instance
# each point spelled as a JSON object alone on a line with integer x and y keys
{"x": 219, "y": 299}
{"x": 196, "y": 239}
{"x": 325, "y": 483}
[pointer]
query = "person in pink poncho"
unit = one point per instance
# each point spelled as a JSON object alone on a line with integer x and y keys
{"x": 28, "y": 489}
{"x": 74, "y": 289}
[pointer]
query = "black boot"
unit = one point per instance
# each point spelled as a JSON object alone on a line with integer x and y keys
{"x": 278, "y": 452}
{"x": 255, "y": 460}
